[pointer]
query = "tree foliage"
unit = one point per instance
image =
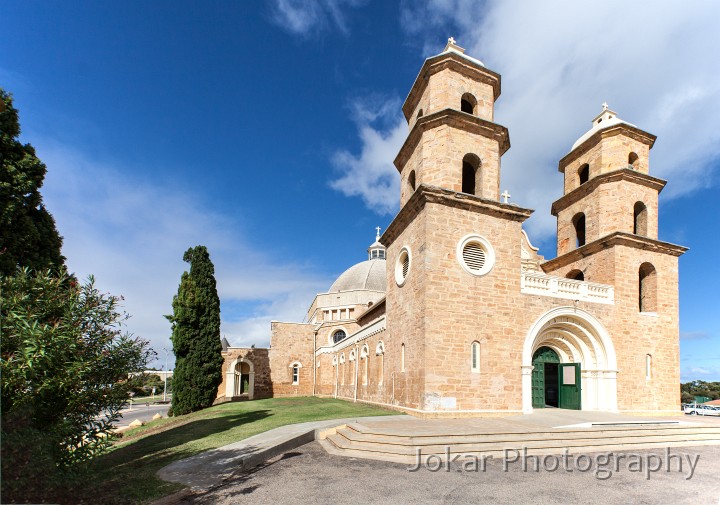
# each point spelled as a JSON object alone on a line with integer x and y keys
{"x": 28, "y": 237}
{"x": 65, "y": 362}
{"x": 196, "y": 335}
{"x": 700, "y": 388}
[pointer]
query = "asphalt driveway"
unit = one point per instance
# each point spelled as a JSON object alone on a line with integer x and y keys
{"x": 310, "y": 475}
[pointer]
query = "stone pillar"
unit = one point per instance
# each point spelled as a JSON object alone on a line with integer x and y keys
{"x": 527, "y": 388}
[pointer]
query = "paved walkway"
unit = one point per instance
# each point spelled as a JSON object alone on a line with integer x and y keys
{"x": 210, "y": 468}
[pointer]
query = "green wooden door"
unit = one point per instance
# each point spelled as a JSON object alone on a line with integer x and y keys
{"x": 542, "y": 355}
{"x": 569, "y": 378}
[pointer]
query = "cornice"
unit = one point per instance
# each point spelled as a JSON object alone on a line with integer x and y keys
{"x": 425, "y": 194}
{"x": 455, "y": 119}
{"x": 623, "y": 174}
{"x": 618, "y": 238}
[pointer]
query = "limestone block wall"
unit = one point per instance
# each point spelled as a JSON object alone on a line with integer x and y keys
{"x": 445, "y": 90}
{"x": 610, "y": 153}
{"x": 639, "y": 334}
{"x": 290, "y": 343}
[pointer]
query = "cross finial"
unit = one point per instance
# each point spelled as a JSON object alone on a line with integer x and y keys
{"x": 505, "y": 196}
{"x": 605, "y": 106}
{"x": 451, "y": 40}
{"x": 377, "y": 237}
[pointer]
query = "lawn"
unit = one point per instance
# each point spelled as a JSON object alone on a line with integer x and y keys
{"x": 126, "y": 474}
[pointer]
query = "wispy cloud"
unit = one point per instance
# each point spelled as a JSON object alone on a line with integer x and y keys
{"x": 705, "y": 373}
{"x": 694, "y": 335}
{"x": 131, "y": 234}
{"x": 560, "y": 60}
{"x": 370, "y": 174}
{"x": 304, "y": 17}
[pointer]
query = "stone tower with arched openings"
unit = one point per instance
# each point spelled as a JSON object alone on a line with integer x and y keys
{"x": 453, "y": 250}
{"x": 607, "y": 222}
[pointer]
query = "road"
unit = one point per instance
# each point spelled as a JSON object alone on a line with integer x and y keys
{"x": 142, "y": 412}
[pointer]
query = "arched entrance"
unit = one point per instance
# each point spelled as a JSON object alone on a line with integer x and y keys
{"x": 240, "y": 379}
{"x": 569, "y": 359}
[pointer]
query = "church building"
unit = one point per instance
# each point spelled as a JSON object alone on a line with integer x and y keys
{"x": 454, "y": 313}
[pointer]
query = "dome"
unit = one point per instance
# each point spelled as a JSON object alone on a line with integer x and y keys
{"x": 604, "y": 120}
{"x": 368, "y": 275}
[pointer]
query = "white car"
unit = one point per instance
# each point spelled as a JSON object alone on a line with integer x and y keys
{"x": 702, "y": 410}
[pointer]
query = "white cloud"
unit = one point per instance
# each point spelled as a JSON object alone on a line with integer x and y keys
{"x": 656, "y": 66}
{"x": 131, "y": 234}
{"x": 304, "y": 17}
{"x": 371, "y": 173}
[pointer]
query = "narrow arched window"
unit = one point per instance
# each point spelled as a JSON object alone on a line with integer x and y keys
{"x": 468, "y": 103}
{"x": 648, "y": 367}
{"x": 640, "y": 219}
{"x": 647, "y": 288}
{"x": 475, "y": 357}
{"x": 584, "y": 173}
{"x": 380, "y": 353}
{"x": 579, "y": 225}
{"x": 402, "y": 357}
{"x": 470, "y": 173}
{"x": 633, "y": 160}
{"x": 411, "y": 180}
{"x": 576, "y": 274}
{"x": 296, "y": 373}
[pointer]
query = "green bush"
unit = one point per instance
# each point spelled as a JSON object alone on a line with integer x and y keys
{"x": 65, "y": 365}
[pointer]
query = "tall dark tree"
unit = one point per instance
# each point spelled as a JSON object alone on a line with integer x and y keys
{"x": 28, "y": 237}
{"x": 196, "y": 335}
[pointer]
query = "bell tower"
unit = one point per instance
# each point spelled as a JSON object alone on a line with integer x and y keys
{"x": 607, "y": 186}
{"x": 453, "y": 141}
{"x": 453, "y": 250}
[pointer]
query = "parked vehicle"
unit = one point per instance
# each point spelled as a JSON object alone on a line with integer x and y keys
{"x": 702, "y": 410}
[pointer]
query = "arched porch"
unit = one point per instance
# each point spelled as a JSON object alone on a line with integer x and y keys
{"x": 240, "y": 379}
{"x": 576, "y": 337}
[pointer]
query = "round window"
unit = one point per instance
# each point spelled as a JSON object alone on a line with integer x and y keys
{"x": 475, "y": 255}
{"x": 402, "y": 266}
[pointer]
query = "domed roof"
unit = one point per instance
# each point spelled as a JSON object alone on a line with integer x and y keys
{"x": 605, "y": 119}
{"x": 369, "y": 274}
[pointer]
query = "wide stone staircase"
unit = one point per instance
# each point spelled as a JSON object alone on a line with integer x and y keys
{"x": 400, "y": 446}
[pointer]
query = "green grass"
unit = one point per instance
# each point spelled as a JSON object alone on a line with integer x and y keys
{"x": 126, "y": 474}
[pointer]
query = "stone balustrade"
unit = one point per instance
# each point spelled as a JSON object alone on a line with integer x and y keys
{"x": 533, "y": 283}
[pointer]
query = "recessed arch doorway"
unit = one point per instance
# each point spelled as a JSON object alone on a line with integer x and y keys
{"x": 569, "y": 350}
{"x": 241, "y": 379}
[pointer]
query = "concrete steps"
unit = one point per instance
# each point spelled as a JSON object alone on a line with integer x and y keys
{"x": 356, "y": 440}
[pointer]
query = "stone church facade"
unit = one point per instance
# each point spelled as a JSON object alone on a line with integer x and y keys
{"x": 455, "y": 314}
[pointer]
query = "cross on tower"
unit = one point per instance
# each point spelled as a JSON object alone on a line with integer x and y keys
{"x": 505, "y": 196}
{"x": 451, "y": 41}
{"x": 605, "y": 106}
{"x": 377, "y": 237}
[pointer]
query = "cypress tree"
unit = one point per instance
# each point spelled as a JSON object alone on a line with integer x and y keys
{"x": 28, "y": 237}
{"x": 196, "y": 335}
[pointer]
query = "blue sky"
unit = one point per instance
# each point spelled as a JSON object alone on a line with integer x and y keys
{"x": 266, "y": 131}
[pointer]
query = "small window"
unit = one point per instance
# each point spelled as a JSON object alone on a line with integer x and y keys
{"x": 475, "y": 255}
{"x": 381, "y": 255}
{"x": 475, "y": 357}
{"x": 338, "y": 336}
{"x": 584, "y": 173}
{"x": 633, "y": 161}
{"x": 402, "y": 357}
{"x": 648, "y": 367}
{"x": 468, "y": 103}
{"x": 374, "y": 255}
{"x": 640, "y": 219}
{"x": 296, "y": 375}
{"x": 411, "y": 180}
{"x": 576, "y": 274}
{"x": 402, "y": 267}
{"x": 579, "y": 225}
